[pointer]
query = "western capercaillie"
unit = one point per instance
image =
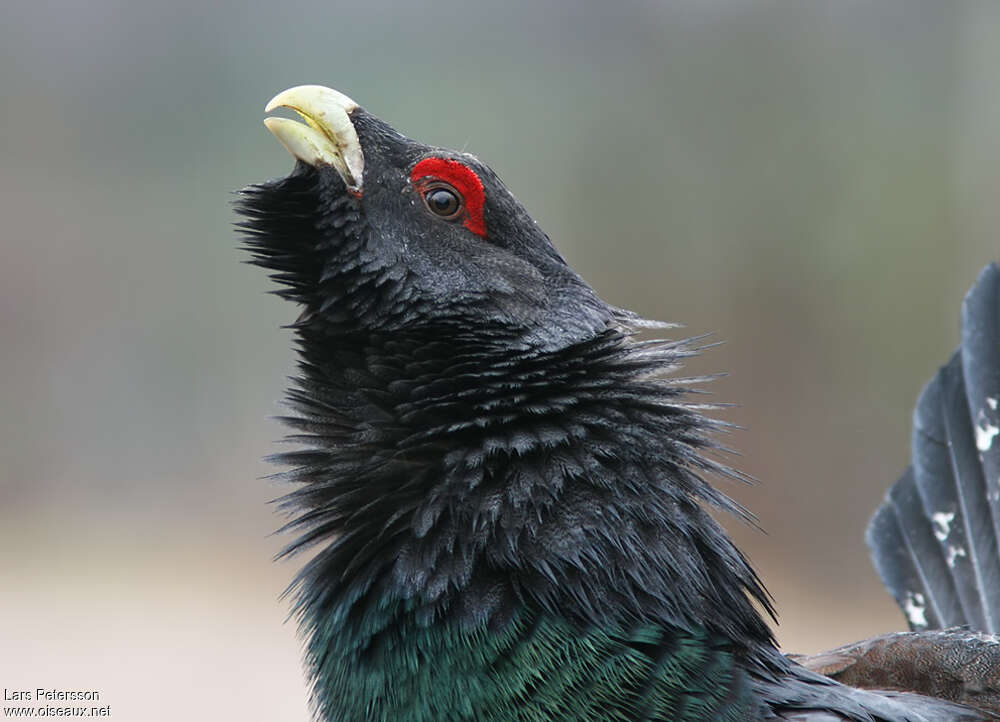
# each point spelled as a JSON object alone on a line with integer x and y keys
{"x": 505, "y": 488}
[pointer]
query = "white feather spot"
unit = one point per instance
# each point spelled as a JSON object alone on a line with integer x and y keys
{"x": 915, "y": 608}
{"x": 954, "y": 553}
{"x": 985, "y": 431}
{"x": 991, "y": 402}
{"x": 942, "y": 524}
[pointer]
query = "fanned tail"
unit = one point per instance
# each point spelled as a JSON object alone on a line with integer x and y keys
{"x": 934, "y": 540}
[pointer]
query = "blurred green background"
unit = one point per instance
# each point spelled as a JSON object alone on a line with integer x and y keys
{"x": 814, "y": 182}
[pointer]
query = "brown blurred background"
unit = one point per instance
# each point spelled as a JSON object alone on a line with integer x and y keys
{"x": 815, "y": 182}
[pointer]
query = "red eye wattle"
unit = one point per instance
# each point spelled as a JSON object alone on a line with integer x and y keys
{"x": 451, "y": 190}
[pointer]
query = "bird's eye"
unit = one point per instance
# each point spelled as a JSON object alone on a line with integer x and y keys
{"x": 443, "y": 200}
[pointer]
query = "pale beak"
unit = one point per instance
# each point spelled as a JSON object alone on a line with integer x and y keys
{"x": 327, "y": 138}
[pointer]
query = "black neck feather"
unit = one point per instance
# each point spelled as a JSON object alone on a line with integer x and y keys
{"x": 469, "y": 484}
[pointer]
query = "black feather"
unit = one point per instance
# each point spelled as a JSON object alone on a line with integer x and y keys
{"x": 935, "y": 539}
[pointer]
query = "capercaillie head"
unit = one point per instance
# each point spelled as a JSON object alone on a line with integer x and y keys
{"x": 376, "y": 232}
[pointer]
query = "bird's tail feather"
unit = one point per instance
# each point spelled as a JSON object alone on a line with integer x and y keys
{"x": 935, "y": 540}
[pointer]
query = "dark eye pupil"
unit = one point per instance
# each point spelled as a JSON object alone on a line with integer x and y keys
{"x": 442, "y": 201}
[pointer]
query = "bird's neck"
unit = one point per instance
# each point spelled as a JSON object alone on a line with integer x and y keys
{"x": 463, "y": 485}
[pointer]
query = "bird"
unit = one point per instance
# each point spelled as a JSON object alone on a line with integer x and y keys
{"x": 504, "y": 485}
